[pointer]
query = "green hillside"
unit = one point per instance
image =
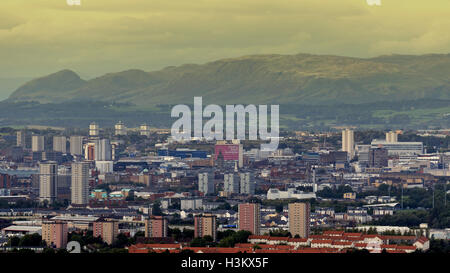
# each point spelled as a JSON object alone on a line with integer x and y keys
{"x": 258, "y": 79}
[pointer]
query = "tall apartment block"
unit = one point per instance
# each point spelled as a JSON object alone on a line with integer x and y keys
{"x": 76, "y": 145}
{"x": 206, "y": 182}
{"x": 247, "y": 183}
{"x": 48, "y": 172}
{"x": 391, "y": 137}
{"x": 249, "y": 217}
{"x": 205, "y": 225}
{"x": 106, "y": 229}
{"x": 59, "y": 144}
{"x": 80, "y": 183}
{"x": 103, "y": 150}
{"x": 54, "y": 233}
{"x": 144, "y": 130}
{"x": 299, "y": 219}
{"x": 21, "y": 139}
{"x": 94, "y": 130}
{"x": 120, "y": 129}
{"x": 231, "y": 183}
{"x": 156, "y": 227}
{"x": 348, "y": 143}
{"x": 37, "y": 143}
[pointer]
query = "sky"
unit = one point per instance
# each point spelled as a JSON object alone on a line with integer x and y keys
{"x": 38, "y": 37}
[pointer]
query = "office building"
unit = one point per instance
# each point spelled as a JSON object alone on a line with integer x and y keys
{"x": 231, "y": 183}
{"x": 378, "y": 157}
{"x": 21, "y": 139}
{"x": 398, "y": 148}
{"x": 363, "y": 153}
{"x": 76, "y": 145}
{"x": 59, "y": 144}
{"x": 249, "y": 217}
{"x": 106, "y": 229}
{"x": 54, "y": 233}
{"x": 80, "y": 183}
{"x": 37, "y": 143}
{"x": 247, "y": 183}
{"x": 348, "y": 142}
{"x": 299, "y": 219}
{"x": 156, "y": 227}
{"x": 206, "y": 183}
{"x": 48, "y": 181}
{"x": 205, "y": 225}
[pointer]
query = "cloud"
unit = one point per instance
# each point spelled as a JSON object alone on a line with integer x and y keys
{"x": 38, "y": 37}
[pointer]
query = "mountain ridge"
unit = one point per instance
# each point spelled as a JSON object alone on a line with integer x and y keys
{"x": 257, "y": 79}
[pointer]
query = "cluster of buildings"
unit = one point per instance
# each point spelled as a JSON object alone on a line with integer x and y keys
{"x": 110, "y": 183}
{"x": 328, "y": 242}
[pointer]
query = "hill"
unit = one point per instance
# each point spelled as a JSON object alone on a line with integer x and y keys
{"x": 258, "y": 79}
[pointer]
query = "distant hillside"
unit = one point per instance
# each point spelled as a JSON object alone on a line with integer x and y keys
{"x": 283, "y": 79}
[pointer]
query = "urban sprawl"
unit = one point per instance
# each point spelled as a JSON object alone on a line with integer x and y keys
{"x": 137, "y": 190}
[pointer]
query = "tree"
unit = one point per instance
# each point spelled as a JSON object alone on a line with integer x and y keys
{"x": 156, "y": 209}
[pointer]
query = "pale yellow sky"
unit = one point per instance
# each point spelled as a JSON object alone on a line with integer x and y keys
{"x": 38, "y": 37}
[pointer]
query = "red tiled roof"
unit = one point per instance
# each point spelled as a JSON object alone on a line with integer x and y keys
{"x": 353, "y": 234}
{"x": 342, "y": 243}
{"x": 353, "y": 239}
{"x": 399, "y": 237}
{"x": 258, "y": 237}
{"x": 321, "y": 241}
{"x": 301, "y": 240}
{"x": 278, "y": 238}
{"x": 388, "y": 246}
{"x": 406, "y": 248}
{"x": 271, "y": 251}
{"x": 153, "y": 246}
{"x": 360, "y": 244}
{"x": 333, "y": 232}
{"x": 422, "y": 240}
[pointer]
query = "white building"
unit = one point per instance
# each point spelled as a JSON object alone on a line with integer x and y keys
{"x": 391, "y": 137}
{"x": 80, "y": 183}
{"x": 94, "y": 129}
{"x": 231, "y": 183}
{"x": 191, "y": 204}
{"x": 206, "y": 182}
{"x": 48, "y": 181}
{"x": 103, "y": 150}
{"x": 37, "y": 143}
{"x": 76, "y": 145}
{"x": 348, "y": 143}
{"x": 247, "y": 183}
{"x": 398, "y": 148}
{"x": 59, "y": 144}
{"x": 273, "y": 194}
{"x": 144, "y": 130}
{"x": 120, "y": 129}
